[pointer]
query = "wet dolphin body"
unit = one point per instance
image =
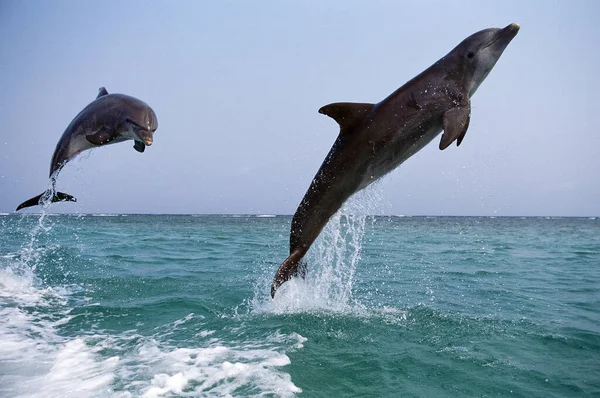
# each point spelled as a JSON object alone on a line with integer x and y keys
{"x": 374, "y": 139}
{"x": 109, "y": 119}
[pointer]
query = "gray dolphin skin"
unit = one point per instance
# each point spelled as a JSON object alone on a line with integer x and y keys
{"x": 109, "y": 119}
{"x": 374, "y": 139}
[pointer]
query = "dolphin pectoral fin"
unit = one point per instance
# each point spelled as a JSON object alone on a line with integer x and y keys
{"x": 287, "y": 270}
{"x": 139, "y": 146}
{"x": 102, "y": 92}
{"x": 57, "y": 197}
{"x": 455, "y": 123}
{"x": 346, "y": 114}
{"x": 101, "y": 137}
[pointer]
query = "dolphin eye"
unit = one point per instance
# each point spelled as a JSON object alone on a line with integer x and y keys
{"x": 471, "y": 54}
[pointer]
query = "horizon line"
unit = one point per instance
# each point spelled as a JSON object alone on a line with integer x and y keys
{"x": 271, "y": 215}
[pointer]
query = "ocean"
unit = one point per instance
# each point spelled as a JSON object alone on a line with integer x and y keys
{"x": 179, "y": 305}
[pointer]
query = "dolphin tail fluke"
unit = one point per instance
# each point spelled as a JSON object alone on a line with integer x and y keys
{"x": 38, "y": 200}
{"x": 63, "y": 197}
{"x": 287, "y": 270}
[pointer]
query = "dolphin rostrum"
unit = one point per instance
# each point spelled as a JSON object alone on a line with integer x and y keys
{"x": 374, "y": 139}
{"x": 109, "y": 119}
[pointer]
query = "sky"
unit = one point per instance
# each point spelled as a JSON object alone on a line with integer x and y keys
{"x": 236, "y": 86}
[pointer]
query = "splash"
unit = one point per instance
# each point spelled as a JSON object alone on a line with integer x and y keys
{"x": 332, "y": 260}
{"x": 29, "y": 256}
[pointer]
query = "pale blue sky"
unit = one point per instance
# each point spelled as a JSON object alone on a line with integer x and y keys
{"x": 236, "y": 86}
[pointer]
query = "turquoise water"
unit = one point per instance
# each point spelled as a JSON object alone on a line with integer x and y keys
{"x": 144, "y": 305}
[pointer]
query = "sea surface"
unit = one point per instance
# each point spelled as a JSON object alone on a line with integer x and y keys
{"x": 179, "y": 305}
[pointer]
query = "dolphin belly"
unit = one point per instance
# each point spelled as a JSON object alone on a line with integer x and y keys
{"x": 395, "y": 153}
{"x": 77, "y": 145}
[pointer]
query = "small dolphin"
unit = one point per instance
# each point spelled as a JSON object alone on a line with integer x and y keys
{"x": 374, "y": 139}
{"x": 109, "y": 119}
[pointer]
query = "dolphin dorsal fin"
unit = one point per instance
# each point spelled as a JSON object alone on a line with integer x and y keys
{"x": 102, "y": 92}
{"x": 346, "y": 114}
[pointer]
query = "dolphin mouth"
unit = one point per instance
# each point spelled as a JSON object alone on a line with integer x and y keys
{"x": 144, "y": 136}
{"x": 505, "y": 35}
{"x": 140, "y": 132}
{"x": 147, "y": 140}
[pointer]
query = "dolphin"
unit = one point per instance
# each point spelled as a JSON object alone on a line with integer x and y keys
{"x": 109, "y": 119}
{"x": 374, "y": 139}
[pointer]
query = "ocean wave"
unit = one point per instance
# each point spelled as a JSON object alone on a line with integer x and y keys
{"x": 37, "y": 360}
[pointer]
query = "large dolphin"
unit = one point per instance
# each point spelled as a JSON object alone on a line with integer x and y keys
{"x": 374, "y": 139}
{"x": 109, "y": 119}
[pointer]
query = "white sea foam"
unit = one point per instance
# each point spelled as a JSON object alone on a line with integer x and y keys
{"x": 219, "y": 369}
{"x": 37, "y": 361}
